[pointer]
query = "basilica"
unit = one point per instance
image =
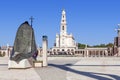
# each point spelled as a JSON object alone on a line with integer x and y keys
{"x": 64, "y": 41}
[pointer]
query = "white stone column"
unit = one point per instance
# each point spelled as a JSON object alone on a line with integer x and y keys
{"x": 98, "y": 53}
{"x": 45, "y": 46}
{"x": 102, "y": 53}
{"x": 87, "y": 53}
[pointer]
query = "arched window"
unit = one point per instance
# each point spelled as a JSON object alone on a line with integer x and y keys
{"x": 72, "y": 50}
{"x": 63, "y": 50}
{"x": 54, "y": 50}
{"x": 58, "y": 50}
{"x": 68, "y": 50}
{"x": 62, "y": 27}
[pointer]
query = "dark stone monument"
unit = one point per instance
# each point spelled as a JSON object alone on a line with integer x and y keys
{"x": 24, "y": 44}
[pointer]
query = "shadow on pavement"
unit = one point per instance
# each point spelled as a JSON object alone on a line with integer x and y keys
{"x": 89, "y": 65}
{"x": 88, "y": 74}
{"x": 3, "y": 64}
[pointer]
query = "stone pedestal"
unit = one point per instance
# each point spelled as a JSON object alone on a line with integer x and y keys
{"x": 38, "y": 64}
{"x": 25, "y": 63}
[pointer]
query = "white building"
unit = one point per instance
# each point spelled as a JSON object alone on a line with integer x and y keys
{"x": 5, "y": 51}
{"x": 64, "y": 41}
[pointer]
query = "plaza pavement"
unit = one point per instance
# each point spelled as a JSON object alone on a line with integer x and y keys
{"x": 67, "y": 68}
{"x": 95, "y": 69}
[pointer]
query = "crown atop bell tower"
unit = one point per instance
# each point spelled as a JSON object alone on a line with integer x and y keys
{"x": 63, "y": 11}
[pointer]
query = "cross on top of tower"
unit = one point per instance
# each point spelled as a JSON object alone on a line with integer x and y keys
{"x": 63, "y": 11}
{"x": 31, "y": 19}
{"x": 118, "y": 30}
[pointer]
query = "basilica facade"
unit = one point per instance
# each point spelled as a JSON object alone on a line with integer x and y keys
{"x": 64, "y": 43}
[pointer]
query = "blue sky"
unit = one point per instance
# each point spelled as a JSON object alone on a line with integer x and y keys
{"x": 90, "y": 21}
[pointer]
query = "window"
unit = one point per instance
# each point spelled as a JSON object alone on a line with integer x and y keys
{"x": 62, "y": 27}
{"x": 58, "y": 50}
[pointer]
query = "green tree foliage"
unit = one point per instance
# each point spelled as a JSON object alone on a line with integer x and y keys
{"x": 82, "y": 46}
{"x": 110, "y": 45}
{"x": 101, "y": 45}
{"x": 104, "y": 45}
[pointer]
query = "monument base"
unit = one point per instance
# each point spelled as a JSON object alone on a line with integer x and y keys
{"x": 38, "y": 63}
{"x": 23, "y": 64}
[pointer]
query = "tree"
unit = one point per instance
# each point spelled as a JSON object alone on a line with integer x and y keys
{"x": 110, "y": 45}
{"x": 82, "y": 46}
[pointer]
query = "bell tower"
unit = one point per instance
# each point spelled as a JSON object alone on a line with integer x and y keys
{"x": 63, "y": 26}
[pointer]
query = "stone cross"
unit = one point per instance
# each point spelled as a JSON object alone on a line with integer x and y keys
{"x": 31, "y": 19}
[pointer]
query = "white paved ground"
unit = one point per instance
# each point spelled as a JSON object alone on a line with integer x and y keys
{"x": 16, "y": 74}
{"x": 95, "y": 69}
{"x": 67, "y": 68}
